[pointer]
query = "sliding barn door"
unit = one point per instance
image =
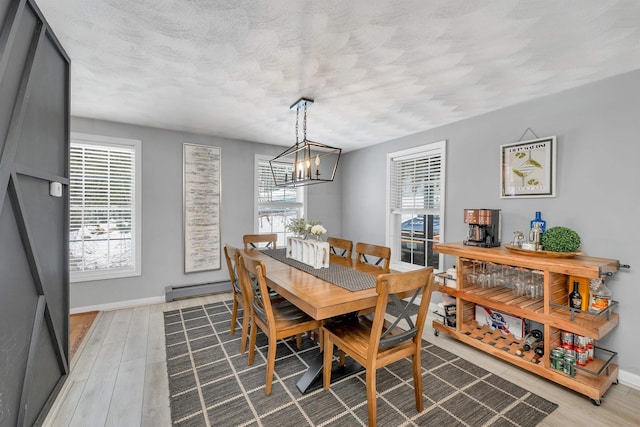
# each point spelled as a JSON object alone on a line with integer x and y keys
{"x": 34, "y": 279}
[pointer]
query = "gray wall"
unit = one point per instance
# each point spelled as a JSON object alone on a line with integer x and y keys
{"x": 162, "y": 232}
{"x": 597, "y": 128}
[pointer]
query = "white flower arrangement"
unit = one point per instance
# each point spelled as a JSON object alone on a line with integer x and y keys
{"x": 318, "y": 230}
{"x": 303, "y": 228}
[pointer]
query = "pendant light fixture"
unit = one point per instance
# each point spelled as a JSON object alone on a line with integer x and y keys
{"x": 313, "y": 162}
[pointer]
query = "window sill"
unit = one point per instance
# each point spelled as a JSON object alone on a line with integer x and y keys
{"x": 403, "y": 267}
{"x": 102, "y": 275}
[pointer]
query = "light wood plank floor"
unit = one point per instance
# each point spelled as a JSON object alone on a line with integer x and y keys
{"x": 119, "y": 377}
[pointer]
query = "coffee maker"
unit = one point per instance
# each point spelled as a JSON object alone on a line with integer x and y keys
{"x": 484, "y": 227}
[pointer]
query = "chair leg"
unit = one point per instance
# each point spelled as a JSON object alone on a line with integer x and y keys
{"x": 342, "y": 357}
{"x": 245, "y": 332}
{"x": 371, "y": 394}
{"x": 234, "y": 316}
{"x": 252, "y": 341}
{"x": 299, "y": 341}
{"x": 417, "y": 381}
{"x": 327, "y": 360}
{"x": 271, "y": 362}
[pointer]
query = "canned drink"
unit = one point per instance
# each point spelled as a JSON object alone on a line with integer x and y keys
{"x": 582, "y": 357}
{"x": 557, "y": 359}
{"x": 590, "y": 349}
{"x": 561, "y": 351}
{"x": 580, "y": 341}
{"x": 569, "y": 349}
{"x": 569, "y": 365}
{"x": 566, "y": 338}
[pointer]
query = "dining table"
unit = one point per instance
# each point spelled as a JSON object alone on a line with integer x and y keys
{"x": 320, "y": 298}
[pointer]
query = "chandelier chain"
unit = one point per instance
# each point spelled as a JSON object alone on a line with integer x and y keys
{"x": 297, "y": 115}
{"x": 304, "y": 122}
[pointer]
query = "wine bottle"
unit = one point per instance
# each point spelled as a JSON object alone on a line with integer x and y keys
{"x": 531, "y": 339}
{"x": 575, "y": 299}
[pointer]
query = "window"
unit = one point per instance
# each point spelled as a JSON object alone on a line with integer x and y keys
{"x": 104, "y": 207}
{"x": 276, "y": 206}
{"x": 415, "y": 201}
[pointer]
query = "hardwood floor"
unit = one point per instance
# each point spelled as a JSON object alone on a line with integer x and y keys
{"x": 79, "y": 325}
{"x": 118, "y": 377}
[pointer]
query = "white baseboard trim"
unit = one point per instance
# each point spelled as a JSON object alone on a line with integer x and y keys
{"x": 629, "y": 379}
{"x": 118, "y": 305}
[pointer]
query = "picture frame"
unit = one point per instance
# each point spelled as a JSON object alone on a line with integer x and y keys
{"x": 201, "y": 207}
{"x": 528, "y": 168}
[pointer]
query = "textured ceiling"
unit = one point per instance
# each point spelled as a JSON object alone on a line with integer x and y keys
{"x": 378, "y": 70}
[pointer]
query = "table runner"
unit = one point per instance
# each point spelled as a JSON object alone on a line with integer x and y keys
{"x": 345, "y": 277}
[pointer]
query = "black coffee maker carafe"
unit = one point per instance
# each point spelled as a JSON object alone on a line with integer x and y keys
{"x": 484, "y": 227}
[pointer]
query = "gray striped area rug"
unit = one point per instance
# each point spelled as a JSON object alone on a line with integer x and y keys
{"x": 210, "y": 384}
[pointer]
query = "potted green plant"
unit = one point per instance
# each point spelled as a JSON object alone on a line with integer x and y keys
{"x": 560, "y": 239}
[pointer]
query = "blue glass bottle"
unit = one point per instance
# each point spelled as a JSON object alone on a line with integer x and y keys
{"x": 538, "y": 219}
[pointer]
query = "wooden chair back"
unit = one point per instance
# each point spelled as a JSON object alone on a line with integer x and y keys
{"x": 380, "y": 255}
{"x": 388, "y": 286}
{"x": 378, "y": 342}
{"x": 252, "y": 241}
{"x": 239, "y": 297}
{"x": 277, "y": 319}
{"x": 251, "y": 272}
{"x": 229, "y": 255}
{"x": 340, "y": 247}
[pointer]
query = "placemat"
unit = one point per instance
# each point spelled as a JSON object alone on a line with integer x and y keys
{"x": 345, "y": 277}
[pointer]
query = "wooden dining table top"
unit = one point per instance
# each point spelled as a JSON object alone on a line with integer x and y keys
{"x": 316, "y": 297}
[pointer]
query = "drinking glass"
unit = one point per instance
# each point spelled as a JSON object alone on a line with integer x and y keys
{"x": 492, "y": 274}
{"x": 519, "y": 284}
{"x": 472, "y": 277}
{"x": 483, "y": 276}
{"x": 538, "y": 278}
{"x": 501, "y": 277}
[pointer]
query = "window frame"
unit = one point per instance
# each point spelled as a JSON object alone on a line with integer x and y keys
{"x": 302, "y": 195}
{"x": 136, "y": 145}
{"x": 393, "y": 220}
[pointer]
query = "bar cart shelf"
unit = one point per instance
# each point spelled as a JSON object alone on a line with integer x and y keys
{"x": 550, "y": 310}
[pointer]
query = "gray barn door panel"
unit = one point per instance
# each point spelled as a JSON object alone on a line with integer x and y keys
{"x": 34, "y": 278}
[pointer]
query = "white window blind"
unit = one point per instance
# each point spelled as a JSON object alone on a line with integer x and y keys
{"x": 415, "y": 205}
{"x": 276, "y": 206}
{"x": 103, "y": 210}
{"x": 415, "y": 183}
{"x": 270, "y": 196}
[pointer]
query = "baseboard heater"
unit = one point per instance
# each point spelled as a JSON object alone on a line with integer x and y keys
{"x": 189, "y": 291}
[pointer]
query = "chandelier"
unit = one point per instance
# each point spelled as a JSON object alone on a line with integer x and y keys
{"x": 306, "y": 162}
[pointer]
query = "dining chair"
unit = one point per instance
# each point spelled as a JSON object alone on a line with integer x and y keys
{"x": 251, "y": 241}
{"x": 375, "y": 343}
{"x": 382, "y": 255}
{"x": 340, "y": 247}
{"x": 238, "y": 298}
{"x": 277, "y": 320}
